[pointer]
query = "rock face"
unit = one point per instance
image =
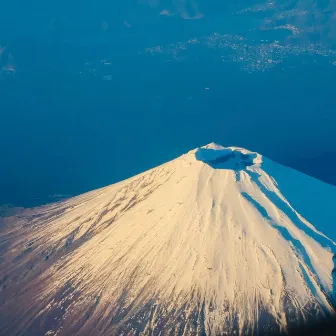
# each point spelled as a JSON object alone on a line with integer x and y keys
{"x": 215, "y": 242}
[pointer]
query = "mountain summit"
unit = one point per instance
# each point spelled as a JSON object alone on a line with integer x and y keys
{"x": 219, "y": 241}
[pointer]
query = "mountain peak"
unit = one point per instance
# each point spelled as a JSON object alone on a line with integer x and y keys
{"x": 213, "y": 145}
{"x": 227, "y": 157}
{"x": 212, "y": 243}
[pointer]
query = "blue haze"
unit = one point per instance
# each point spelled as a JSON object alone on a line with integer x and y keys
{"x": 64, "y": 131}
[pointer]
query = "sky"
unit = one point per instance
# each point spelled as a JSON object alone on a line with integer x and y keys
{"x": 65, "y": 130}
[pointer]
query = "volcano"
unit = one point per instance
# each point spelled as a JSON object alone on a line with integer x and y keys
{"x": 219, "y": 241}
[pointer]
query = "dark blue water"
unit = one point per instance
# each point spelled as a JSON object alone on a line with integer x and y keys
{"x": 63, "y": 132}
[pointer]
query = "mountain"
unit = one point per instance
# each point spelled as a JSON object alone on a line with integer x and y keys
{"x": 309, "y": 21}
{"x": 219, "y": 241}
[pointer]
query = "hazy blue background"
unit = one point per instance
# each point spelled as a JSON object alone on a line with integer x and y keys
{"x": 65, "y": 130}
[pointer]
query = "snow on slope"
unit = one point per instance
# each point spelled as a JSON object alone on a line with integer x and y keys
{"x": 206, "y": 244}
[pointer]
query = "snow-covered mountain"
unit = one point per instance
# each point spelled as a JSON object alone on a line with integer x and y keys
{"x": 215, "y": 242}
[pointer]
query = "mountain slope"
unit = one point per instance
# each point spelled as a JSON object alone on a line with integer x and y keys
{"x": 206, "y": 244}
